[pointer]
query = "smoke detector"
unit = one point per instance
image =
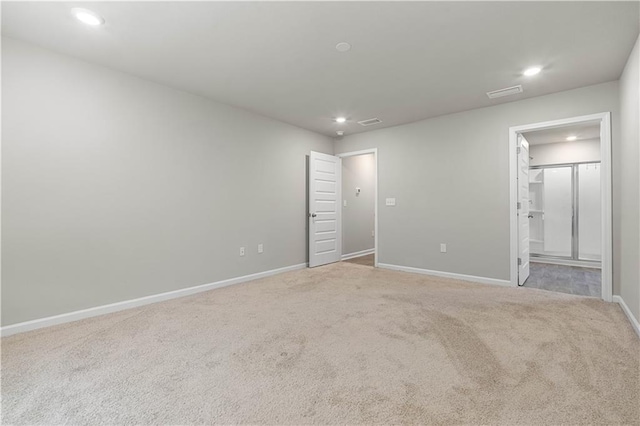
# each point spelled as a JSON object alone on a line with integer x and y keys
{"x": 370, "y": 122}
{"x": 343, "y": 47}
{"x": 514, "y": 90}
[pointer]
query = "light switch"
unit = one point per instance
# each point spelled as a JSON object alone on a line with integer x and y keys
{"x": 260, "y": 248}
{"x": 391, "y": 202}
{"x": 443, "y": 248}
{"x": 345, "y": 203}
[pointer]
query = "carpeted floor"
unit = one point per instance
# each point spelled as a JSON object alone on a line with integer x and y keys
{"x": 342, "y": 344}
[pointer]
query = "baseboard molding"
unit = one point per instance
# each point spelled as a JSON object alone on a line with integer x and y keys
{"x": 471, "y": 278}
{"x": 134, "y": 303}
{"x": 633, "y": 320}
{"x": 358, "y": 254}
{"x": 568, "y": 262}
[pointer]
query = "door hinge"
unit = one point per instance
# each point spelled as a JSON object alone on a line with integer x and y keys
{"x": 518, "y": 150}
{"x": 519, "y": 205}
{"x": 519, "y": 261}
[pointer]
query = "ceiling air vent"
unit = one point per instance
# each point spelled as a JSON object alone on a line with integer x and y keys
{"x": 369, "y": 122}
{"x": 505, "y": 92}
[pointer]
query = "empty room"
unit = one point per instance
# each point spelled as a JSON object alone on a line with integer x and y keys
{"x": 325, "y": 213}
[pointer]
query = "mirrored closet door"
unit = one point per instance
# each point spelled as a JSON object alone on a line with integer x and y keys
{"x": 565, "y": 211}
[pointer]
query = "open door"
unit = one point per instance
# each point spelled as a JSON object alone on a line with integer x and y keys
{"x": 325, "y": 235}
{"x": 523, "y": 210}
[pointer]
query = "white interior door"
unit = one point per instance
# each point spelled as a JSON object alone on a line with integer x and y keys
{"x": 523, "y": 210}
{"x": 325, "y": 183}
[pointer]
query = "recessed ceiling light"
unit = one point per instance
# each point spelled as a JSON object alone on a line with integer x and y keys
{"x": 343, "y": 47}
{"x": 572, "y": 138}
{"x": 87, "y": 17}
{"x": 532, "y": 71}
{"x": 340, "y": 120}
{"x": 340, "y": 132}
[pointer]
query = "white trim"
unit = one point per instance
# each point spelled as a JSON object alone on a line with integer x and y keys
{"x": 607, "y": 206}
{"x": 472, "y": 278}
{"x": 358, "y": 254}
{"x": 604, "y": 119}
{"x": 134, "y": 303}
{"x": 513, "y": 210}
{"x": 373, "y": 151}
{"x": 633, "y": 320}
{"x": 566, "y": 262}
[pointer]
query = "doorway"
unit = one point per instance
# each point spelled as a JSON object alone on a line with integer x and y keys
{"x": 358, "y": 208}
{"x": 561, "y": 206}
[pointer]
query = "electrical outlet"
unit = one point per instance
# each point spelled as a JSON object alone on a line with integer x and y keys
{"x": 443, "y": 248}
{"x": 345, "y": 203}
{"x": 373, "y": 233}
{"x": 241, "y": 251}
{"x": 390, "y": 202}
{"x": 260, "y": 248}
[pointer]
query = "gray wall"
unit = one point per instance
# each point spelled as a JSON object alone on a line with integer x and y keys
{"x": 114, "y": 187}
{"x": 358, "y": 215}
{"x": 627, "y": 191}
{"x": 450, "y": 178}
{"x": 565, "y": 152}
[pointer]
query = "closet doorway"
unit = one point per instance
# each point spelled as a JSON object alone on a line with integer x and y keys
{"x": 564, "y": 199}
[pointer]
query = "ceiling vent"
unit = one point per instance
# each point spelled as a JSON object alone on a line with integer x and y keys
{"x": 505, "y": 92}
{"x": 369, "y": 122}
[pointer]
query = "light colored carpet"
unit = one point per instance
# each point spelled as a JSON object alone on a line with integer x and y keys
{"x": 338, "y": 344}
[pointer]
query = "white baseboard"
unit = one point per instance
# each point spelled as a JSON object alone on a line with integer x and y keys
{"x": 567, "y": 262}
{"x": 633, "y": 320}
{"x": 134, "y": 303}
{"x": 455, "y": 276}
{"x": 358, "y": 254}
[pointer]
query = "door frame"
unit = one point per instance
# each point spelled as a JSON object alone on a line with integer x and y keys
{"x": 373, "y": 151}
{"x": 604, "y": 120}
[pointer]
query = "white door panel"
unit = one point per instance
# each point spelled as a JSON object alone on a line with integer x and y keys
{"x": 523, "y": 210}
{"x": 325, "y": 236}
{"x": 326, "y": 226}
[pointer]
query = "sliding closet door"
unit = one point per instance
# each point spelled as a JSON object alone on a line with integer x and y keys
{"x": 558, "y": 211}
{"x": 589, "y": 219}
